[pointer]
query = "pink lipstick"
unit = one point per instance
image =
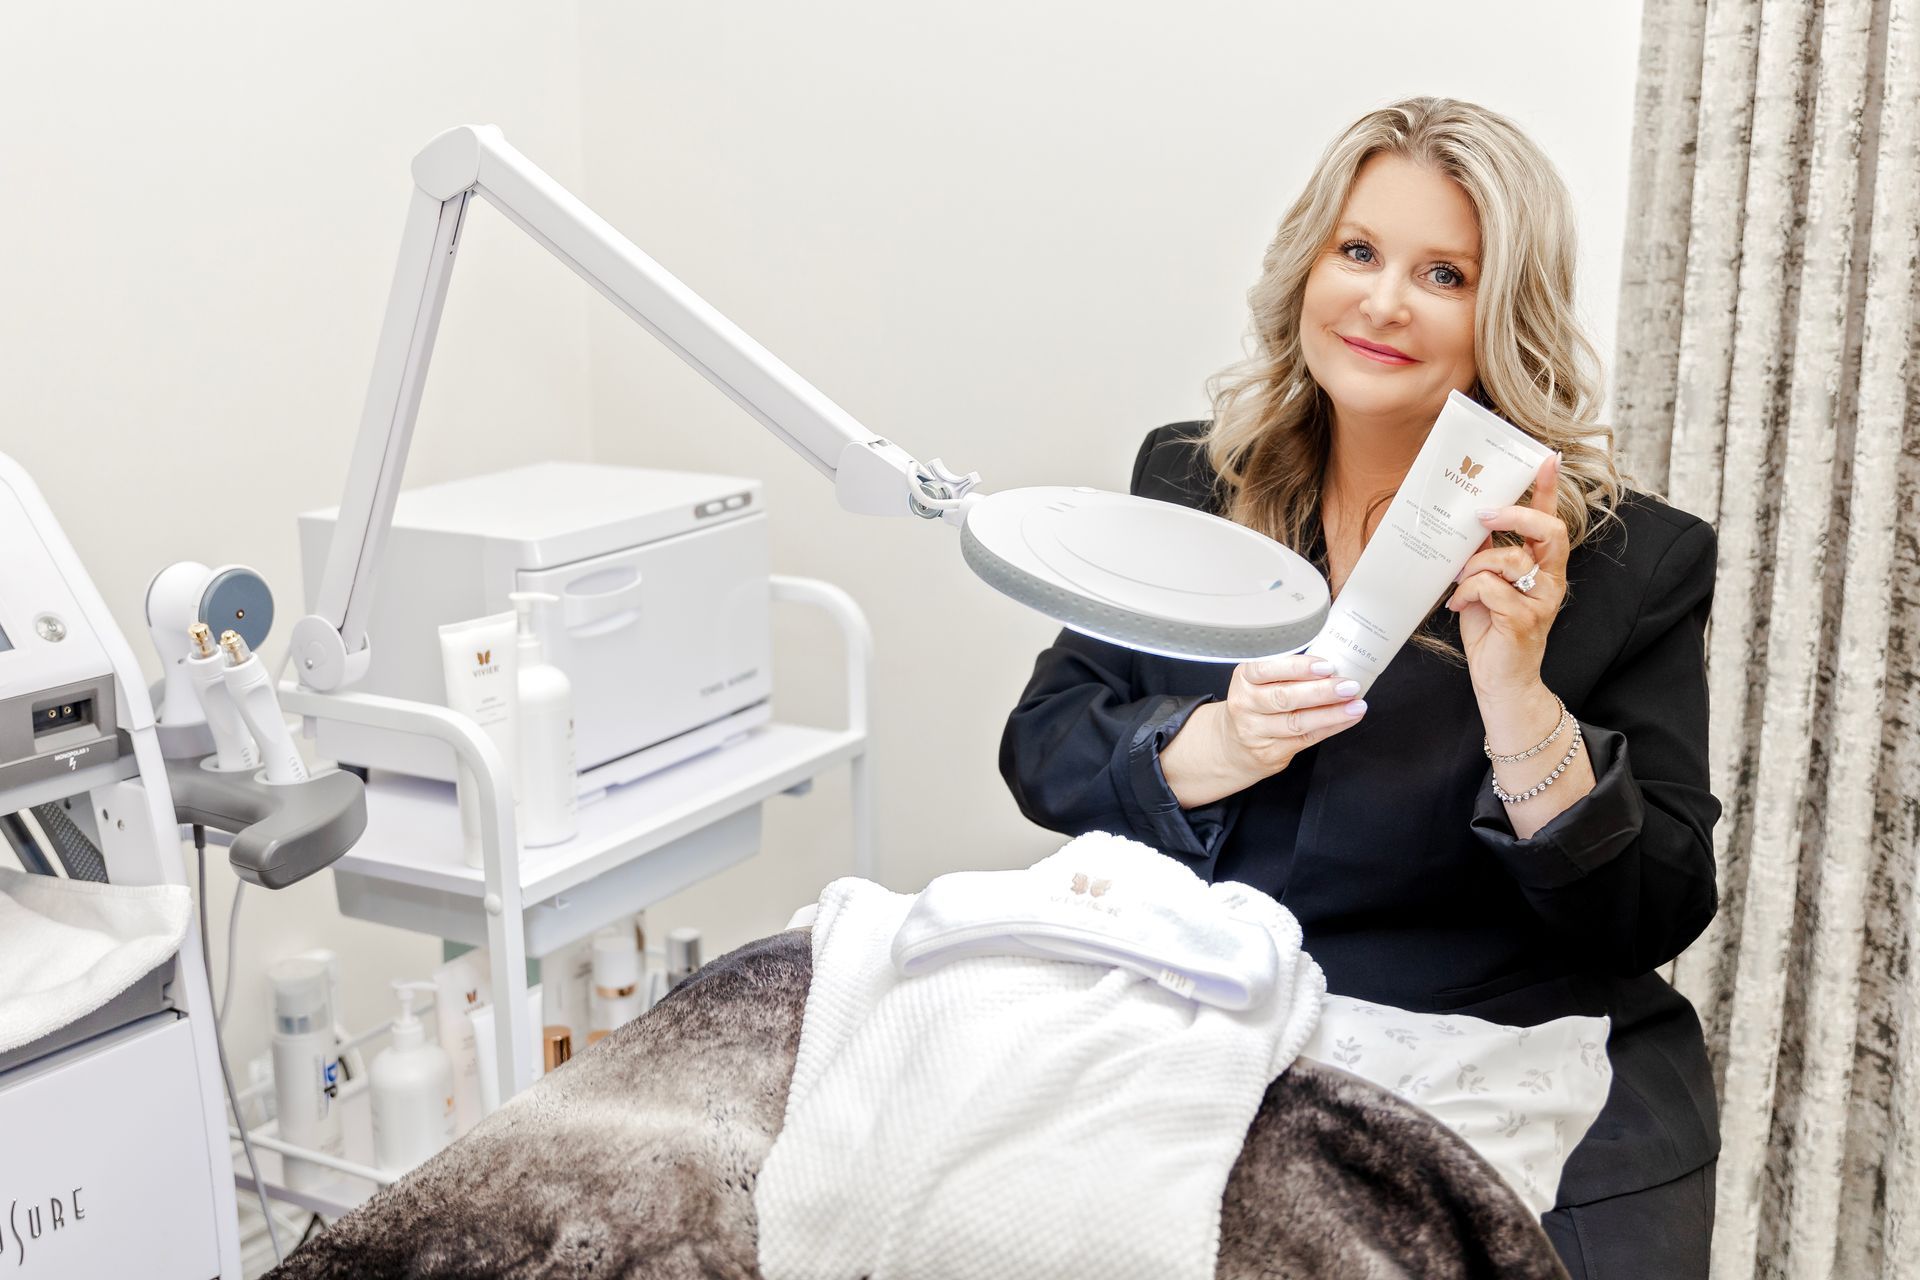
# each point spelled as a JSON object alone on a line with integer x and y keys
{"x": 1375, "y": 351}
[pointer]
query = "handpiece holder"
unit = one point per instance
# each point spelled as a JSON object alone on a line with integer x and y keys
{"x": 871, "y": 475}
{"x": 282, "y": 833}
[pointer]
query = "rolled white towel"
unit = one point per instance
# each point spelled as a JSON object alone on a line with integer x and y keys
{"x": 1107, "y": 901}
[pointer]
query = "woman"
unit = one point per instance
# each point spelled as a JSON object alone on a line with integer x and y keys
{"x": 1431, "y": 251}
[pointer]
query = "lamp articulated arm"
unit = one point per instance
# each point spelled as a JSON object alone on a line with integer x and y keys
{"x": 871, "y": 476}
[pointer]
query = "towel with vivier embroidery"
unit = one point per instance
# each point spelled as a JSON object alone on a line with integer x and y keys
{"x": 1025, "y": 1072}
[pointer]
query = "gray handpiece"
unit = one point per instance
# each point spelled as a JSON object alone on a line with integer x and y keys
{"x": 282, "y": 833}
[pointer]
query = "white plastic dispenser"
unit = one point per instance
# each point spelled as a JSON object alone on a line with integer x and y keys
{"x": 544, "y": 774}
{"x": 413, "y": 1107}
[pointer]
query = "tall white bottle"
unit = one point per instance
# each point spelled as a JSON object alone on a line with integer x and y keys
{"x": 544, "y": 773}
{"x": 306, "y": 1076}
{"x": 413, "y": 1112}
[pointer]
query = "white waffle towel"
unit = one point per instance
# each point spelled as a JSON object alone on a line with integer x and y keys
{"x": 69, "y": 946}
{"x": 999, "y": 1113}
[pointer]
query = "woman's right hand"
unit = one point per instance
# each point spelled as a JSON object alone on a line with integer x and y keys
{"x": 1275, "y": 709}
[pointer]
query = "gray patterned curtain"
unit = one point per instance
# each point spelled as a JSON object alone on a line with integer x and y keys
{"x": 1769, "y": 381}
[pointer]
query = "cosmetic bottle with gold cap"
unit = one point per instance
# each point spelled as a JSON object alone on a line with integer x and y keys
{"x": 556, "y": 1046}
{"x": 616, "y": 982}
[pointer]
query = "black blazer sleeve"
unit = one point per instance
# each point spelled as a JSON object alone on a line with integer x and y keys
{"x": 1081, "y": 751}
{"x": 1627, "y": 872}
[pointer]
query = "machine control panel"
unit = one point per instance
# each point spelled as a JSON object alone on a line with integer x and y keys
{"x": 58, "y": 713}
{"x": 47, "y": 732}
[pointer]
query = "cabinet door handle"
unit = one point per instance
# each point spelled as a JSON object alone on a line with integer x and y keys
{"x": 595, "y": 613}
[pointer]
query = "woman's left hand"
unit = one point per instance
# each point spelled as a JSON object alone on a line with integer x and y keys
{"x": 1503, "y": 629}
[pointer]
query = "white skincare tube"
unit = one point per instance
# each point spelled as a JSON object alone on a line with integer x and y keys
{"x": 478, "y": 660}
{"x": 233, "y": 749}
{"x": 567, "y": 977}
{"x": 460, "y": 986}
{"x": 1472, "y": 459}
{"x": 484, "y": 1038}
{"x": 251, "y": 686}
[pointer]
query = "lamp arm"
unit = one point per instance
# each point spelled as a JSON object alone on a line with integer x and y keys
{"x": 871, "y": 475}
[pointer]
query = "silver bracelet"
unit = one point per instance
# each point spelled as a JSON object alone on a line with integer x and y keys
{"x": 1572, "y": 750}
{"x": 1486, "y": 743}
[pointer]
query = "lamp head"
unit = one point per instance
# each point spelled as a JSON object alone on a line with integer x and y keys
{"x": 1149, "y": 575}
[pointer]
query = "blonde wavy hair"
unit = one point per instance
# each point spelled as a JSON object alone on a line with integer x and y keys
{"x": 1272, "y": 427}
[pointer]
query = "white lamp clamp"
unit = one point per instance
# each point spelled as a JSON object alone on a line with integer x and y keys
{"x": 1053, "y": 553}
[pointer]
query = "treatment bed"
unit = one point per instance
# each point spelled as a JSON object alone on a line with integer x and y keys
{"x": 638, "y": 1159}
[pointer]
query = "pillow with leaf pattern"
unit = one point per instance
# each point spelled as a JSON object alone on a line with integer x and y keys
{"x": 1522, "y": 1097}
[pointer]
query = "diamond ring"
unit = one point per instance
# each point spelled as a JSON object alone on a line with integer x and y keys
{"x": 1524, "y": 583}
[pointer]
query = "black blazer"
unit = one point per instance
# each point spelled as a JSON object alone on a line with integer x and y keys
{"x": 1388, "y": 845}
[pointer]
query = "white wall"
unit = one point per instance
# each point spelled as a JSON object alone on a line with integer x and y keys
{"x": 199, "y": 211}
{"x": 1015, "y": 235}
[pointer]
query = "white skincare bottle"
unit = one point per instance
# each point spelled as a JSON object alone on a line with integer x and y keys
{"x": 616, "y": 982}
{"x": 413, "y": 1112}
{"x": 460, "y": 986}
{"x": 544, "y": 775}
{"x": 305, "y": 1073}
{"x": 252, "y": 689}
{"x": 233, "y": 749}
{"x": 352, "y": 1065}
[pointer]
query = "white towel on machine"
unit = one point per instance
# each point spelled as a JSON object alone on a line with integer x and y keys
{"x": 998, "y": 1113}
{"x": 69, "y": 946}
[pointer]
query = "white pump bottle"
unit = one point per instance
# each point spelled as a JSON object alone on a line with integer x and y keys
{"x": 413, "y": 1115}
{"x": 544, "y": 774}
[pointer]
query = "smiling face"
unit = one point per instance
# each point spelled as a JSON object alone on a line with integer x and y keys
{"x": 1386, "y": 323}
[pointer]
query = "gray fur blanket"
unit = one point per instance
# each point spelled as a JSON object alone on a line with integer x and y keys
{"x": 638, "y": 1159}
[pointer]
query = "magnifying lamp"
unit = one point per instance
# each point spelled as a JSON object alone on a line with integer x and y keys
{"x": 1150, "y": 575}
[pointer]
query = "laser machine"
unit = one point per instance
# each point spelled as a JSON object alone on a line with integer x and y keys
{"x": 114, "y": 1157}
